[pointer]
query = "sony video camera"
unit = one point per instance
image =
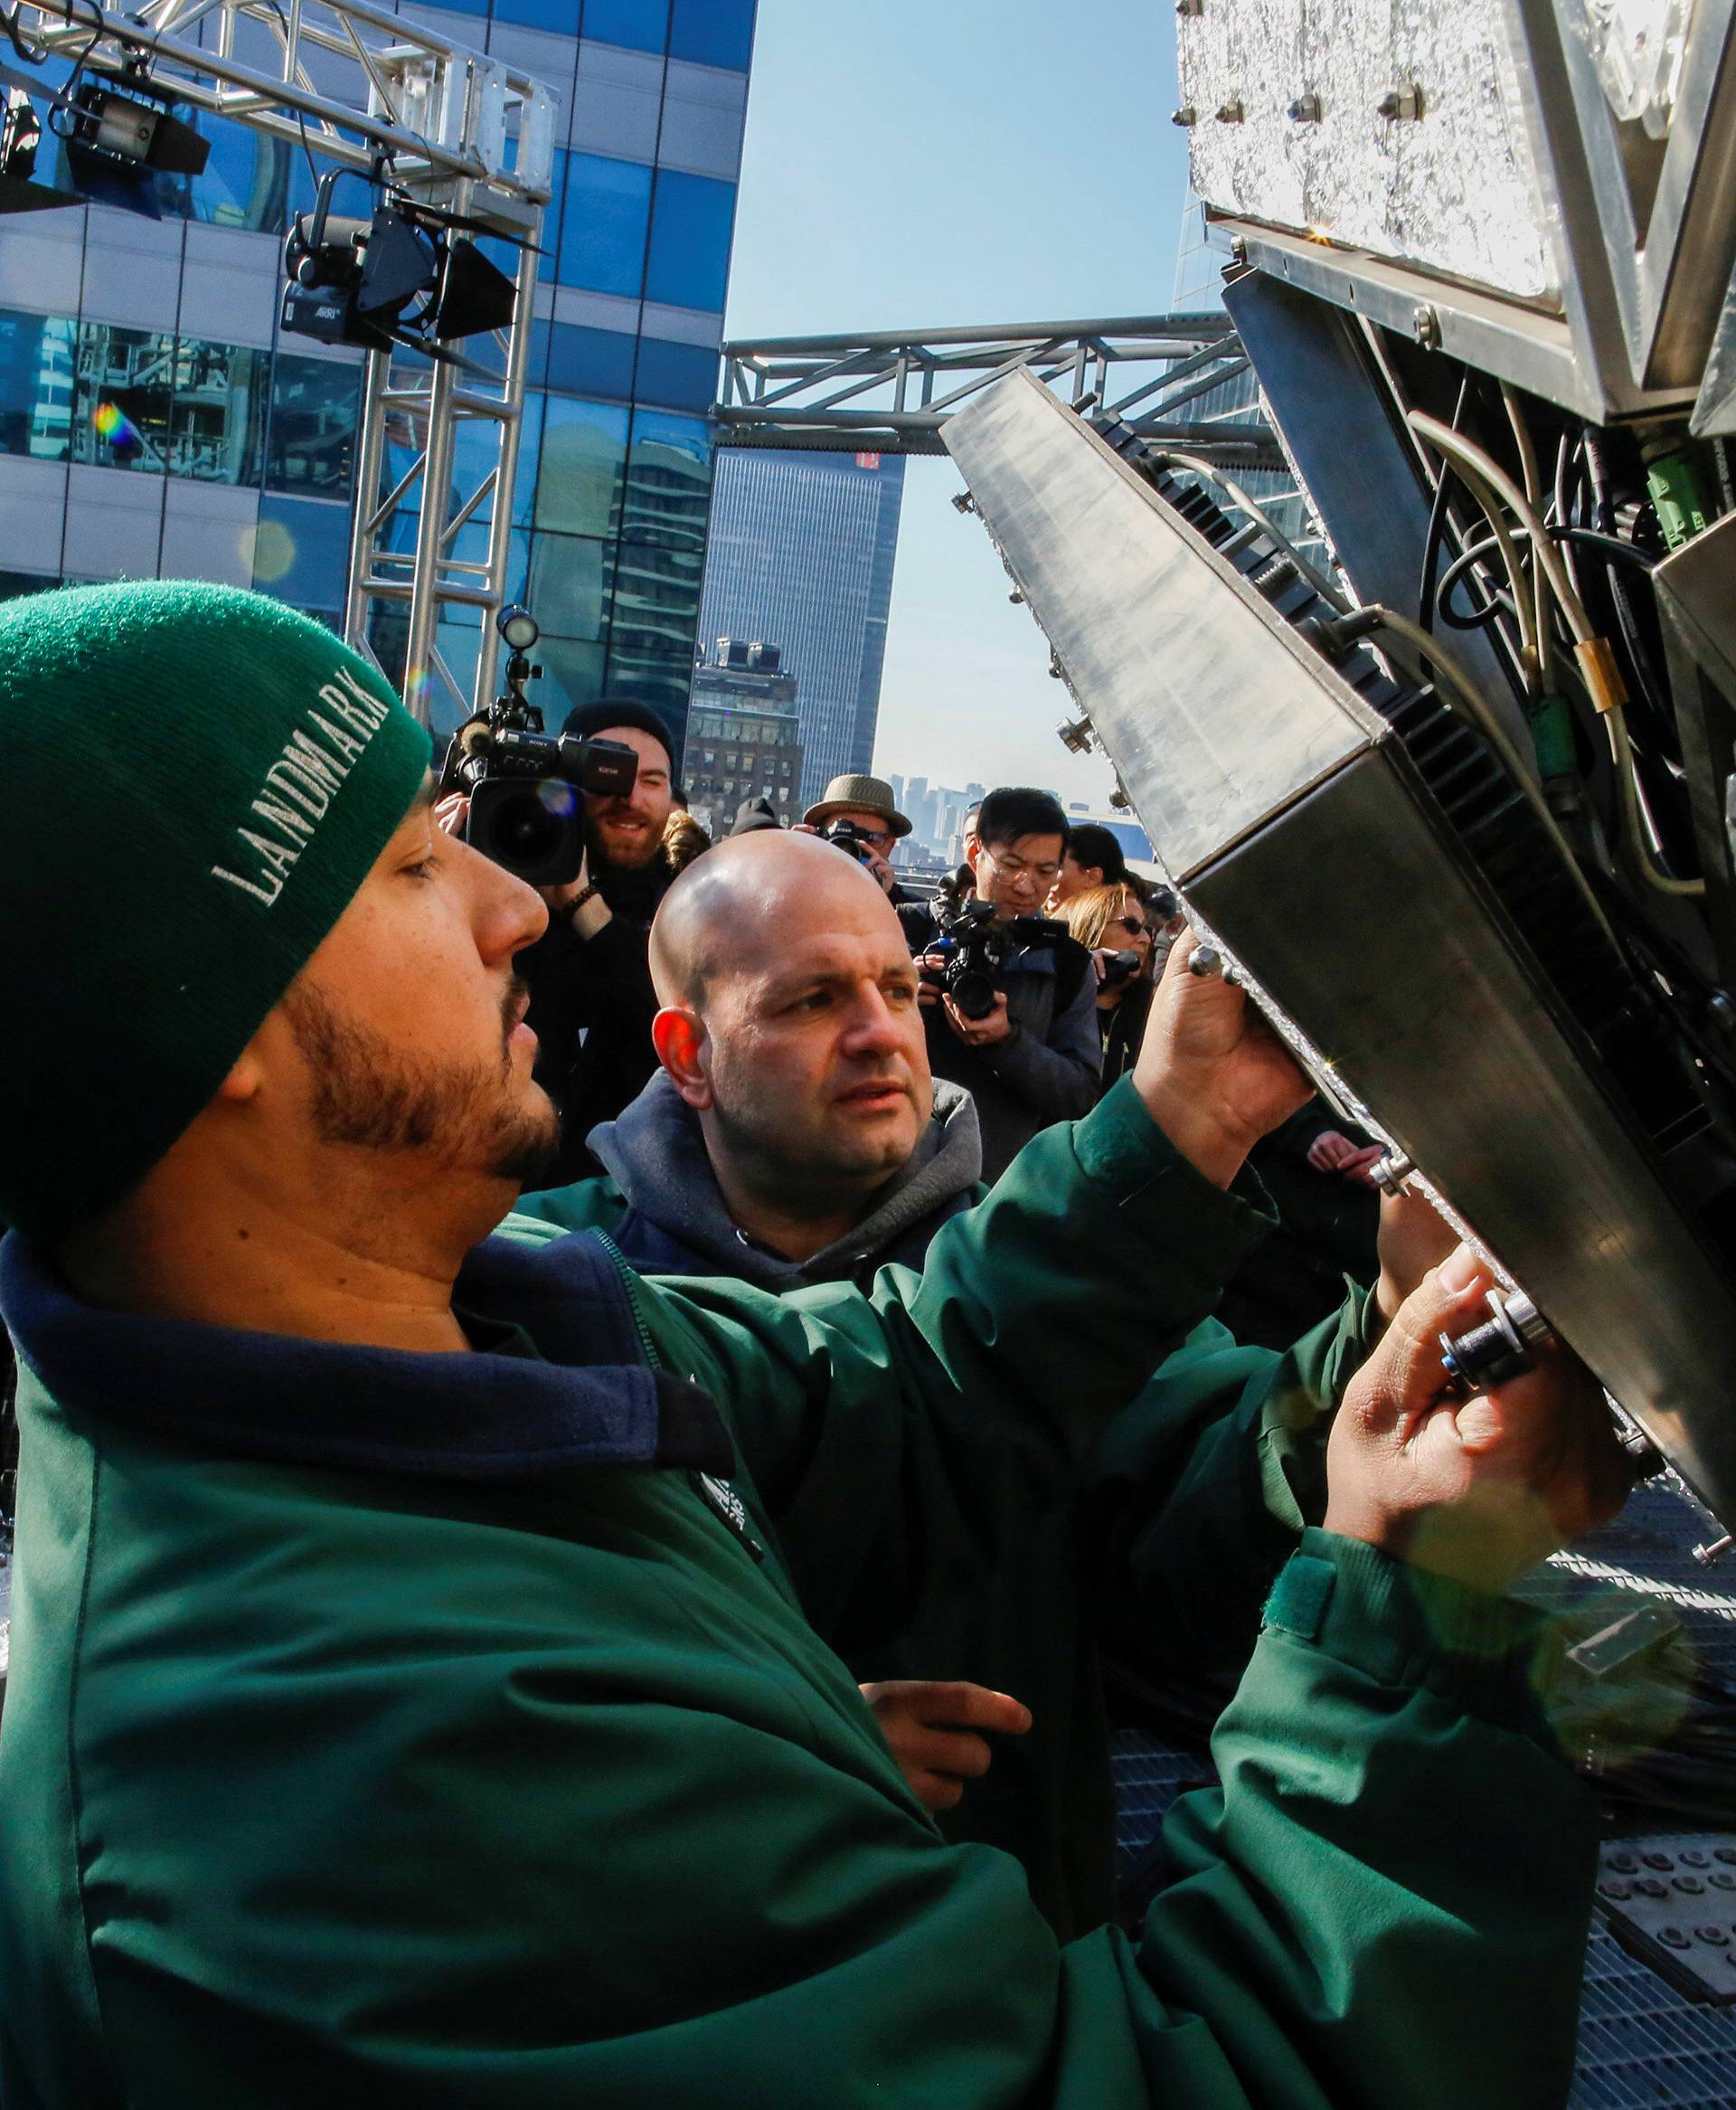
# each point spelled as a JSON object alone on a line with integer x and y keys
{"x": 527, "y": 786}
{"x": 976, "y": 947}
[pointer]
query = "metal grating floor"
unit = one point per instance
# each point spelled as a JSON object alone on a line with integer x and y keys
{"x": 1643, "y": 2045}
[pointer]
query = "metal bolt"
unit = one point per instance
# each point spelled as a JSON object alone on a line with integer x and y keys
{"x": 1204, "y": 959}
{"x": 1713, "y": 1549}
{"x": 1186, "y": 115}
{"x": 1230, "y": 112}
{"x": 1190, "y": 6}
{"x": 1274, "y": 577}
{"x": 1075, "y": 735}
{"x": 1390, "y": 1173}
{"x": 1425, "y": 326}
{"x": 1305, "y": 109}
{"x": 964, "y": 501}
{"x": 1057, "y": 672}
{"x": 1016, "y": 598}
{"x": 1402, "y": 102}
{"x": 1119, "y": 800}
{"x": 1087, "y": 401}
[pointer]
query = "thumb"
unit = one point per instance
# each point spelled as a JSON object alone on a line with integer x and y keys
{"x": 1407, "y": 1366}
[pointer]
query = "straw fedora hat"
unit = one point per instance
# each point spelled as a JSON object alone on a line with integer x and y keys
{"x": 857, "y": 795}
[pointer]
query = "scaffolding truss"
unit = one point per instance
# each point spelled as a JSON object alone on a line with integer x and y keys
{"x": 892, "y": 391}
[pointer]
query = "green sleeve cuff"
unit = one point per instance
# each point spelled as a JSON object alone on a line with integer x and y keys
{"x": 1120, "y": 1146}
{"x": 1403, "y": 1626}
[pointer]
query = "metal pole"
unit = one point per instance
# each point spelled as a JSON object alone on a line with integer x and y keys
{"x": 500, "y": 533}
{"x": 430, "y": 536}
{"x": 371, "y": 454}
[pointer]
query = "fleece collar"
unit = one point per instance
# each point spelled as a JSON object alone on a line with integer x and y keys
{"x": 655, "y": 1152}
{"x": 594, "y": 1400}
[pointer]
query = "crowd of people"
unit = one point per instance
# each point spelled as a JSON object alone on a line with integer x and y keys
{"x": 597, "y": 1469}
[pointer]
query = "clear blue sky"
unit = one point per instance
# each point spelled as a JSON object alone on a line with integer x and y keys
{"x": 925, "y": 162}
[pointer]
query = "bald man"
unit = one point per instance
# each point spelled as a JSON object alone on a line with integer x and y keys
{"x": 793, "y": 1136}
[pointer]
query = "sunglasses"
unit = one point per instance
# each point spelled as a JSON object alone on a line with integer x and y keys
{"x": 1134, "y": 926}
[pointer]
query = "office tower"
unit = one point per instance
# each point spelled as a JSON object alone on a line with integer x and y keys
{"x": 744, "y": 737}
{"x": 801, "y": 550}
{"x": 238, "y": 454}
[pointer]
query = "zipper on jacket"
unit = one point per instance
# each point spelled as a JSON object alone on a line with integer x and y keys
{"x": 718, "y": 1496}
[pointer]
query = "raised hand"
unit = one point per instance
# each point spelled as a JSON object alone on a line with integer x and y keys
{"x": 1478, "y": 1489}
{"x": 933, "y": 1728}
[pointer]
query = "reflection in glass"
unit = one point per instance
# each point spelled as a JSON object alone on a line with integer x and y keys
{"x": 602, "y": 227}
{"x": 314, "y": 406}
{"x": 668, "y": 481}
{"x": 714, "y": 32}
{"x": 566, "y": 585}
{"x": 37, "y": 355}
{"x": 246, "y": 181}
{"x": 123, "y": 387}
{"x": 572, "y": 674}
{"x": 584, "y": 458}
{"x": 217, "y": 421}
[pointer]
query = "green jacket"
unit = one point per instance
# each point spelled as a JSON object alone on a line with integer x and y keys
{"x": 1136, "y": 1604}
{"x": 442, "y": 1731}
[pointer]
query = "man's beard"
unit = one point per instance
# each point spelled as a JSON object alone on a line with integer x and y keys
{"x": 368, "y": 1092}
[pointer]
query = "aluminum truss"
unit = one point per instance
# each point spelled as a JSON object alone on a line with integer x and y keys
{"x": 892, "y": 391}
{"x": 354, "y": 82}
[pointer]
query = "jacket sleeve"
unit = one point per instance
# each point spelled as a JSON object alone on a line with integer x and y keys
{"x": 1059, "y": 1075}
{"x": 901, "y": 1440}
{"x": 586, "y": 1204}
{"x": 654, "y": 1886}
{"x": 1216, "y": 1469}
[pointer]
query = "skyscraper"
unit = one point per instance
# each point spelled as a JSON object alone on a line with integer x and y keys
{"x": 801, "y": 550}
{"x": 244, "y": 465}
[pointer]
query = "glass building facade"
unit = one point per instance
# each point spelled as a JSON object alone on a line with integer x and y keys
{"x": 155, "y": 422}
{"x": 802, "y": 546}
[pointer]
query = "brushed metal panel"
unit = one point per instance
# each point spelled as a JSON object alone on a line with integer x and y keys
{"x": 1356, "y": 918}
{"x": 1118, "y": 598}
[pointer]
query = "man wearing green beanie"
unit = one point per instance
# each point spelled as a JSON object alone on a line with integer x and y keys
{"x": 412, "y": 1703}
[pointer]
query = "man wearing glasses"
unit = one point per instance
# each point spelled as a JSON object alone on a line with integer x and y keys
{"x": 1035, "y": 1057}
{"x": 866, "y": 803}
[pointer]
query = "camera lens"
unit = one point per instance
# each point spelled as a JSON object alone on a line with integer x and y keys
{"x": 973, "y": 991}
{"x": 524, "y": 832}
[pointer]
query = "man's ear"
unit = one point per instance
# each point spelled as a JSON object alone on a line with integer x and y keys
{"x": 680, "y": 1039}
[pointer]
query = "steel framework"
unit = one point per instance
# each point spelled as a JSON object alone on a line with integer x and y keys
{"x": 892, "y": 391}
{"x": 459, "y": 130}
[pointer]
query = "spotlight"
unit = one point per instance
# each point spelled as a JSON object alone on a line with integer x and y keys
{"x": 21, "y": 132}
{"x": 405, "y": 275}
{"x": 120, "y": 134}
{"x": 518, "y": 627}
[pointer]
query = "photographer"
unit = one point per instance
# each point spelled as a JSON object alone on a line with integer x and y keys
{"x": 591, "y": 1000}
{"x": 872, "y": 825}
{"x": 1112, "y": 922}
{"x": 1034, "y": 1057}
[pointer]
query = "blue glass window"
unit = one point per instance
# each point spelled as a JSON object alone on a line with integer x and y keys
{"x": 683, "y": 376}
{"x": 587, "y": 361}
{"x": 668, "y": 493}
{"x": 301, "y": 551}
{"x": 602, "y": 227}
{"x": 689, "y": 261}
{"x": 217, "y": 417}
{"x": 37, "y": 355}
{"x": 246, "y": 181}
{"x": 715, "y": 33}
{"x": 584, "y": 456}
{"x": 560, "y": 15}
{"x": 315, "y": 404}
{"x": 530, "y": 452}
{"x": 568, "y": 576}
{"x": 572, "y": 674}
{"x": 641, "y": 24}
{"x": 123, "y": 387}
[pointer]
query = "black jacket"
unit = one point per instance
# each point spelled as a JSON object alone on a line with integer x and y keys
{"x": 591, "y": 1007}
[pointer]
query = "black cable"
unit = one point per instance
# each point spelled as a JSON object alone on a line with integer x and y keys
{"x": 1426, "y": 595}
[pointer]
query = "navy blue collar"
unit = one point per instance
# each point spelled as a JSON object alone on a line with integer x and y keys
{"x": 595, "y": 1400}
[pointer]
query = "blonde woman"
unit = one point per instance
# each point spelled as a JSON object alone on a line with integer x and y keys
{"x": 1112, "y": 922}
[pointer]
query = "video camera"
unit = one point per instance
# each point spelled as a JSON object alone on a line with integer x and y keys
{"x": 977, "y": 947}
{"x": 526, "y": 787}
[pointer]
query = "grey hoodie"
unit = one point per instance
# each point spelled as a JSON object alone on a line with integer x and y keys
{"x": 672, "y": 1218}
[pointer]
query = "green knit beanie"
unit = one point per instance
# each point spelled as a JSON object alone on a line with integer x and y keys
{"x": 195, "y": 781}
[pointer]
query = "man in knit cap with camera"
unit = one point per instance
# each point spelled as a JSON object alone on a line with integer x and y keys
{"x": 412, "y": 1703}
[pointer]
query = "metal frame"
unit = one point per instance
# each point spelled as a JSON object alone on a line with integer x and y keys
{"x": 813, "y": 392}
{"x": 462, "y": 131}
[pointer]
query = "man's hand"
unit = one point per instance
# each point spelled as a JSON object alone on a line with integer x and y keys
{"x": 979, "y": 1032}
{"x": 1414, "y": 1237}
{"x": 931, "y": 1729}
{"x": 1478, "y": 1489}
{"x": 1212, "y": 1073}
{"x": 450, "y": 814}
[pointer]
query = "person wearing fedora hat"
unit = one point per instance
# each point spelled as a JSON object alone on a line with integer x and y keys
{"x": 867, "y": 804}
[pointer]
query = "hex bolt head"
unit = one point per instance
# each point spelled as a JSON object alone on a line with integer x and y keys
{"x": 1186, "y": 115}
{"x": 1425, "y": 326}
{"x": 1305, "y": 109}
